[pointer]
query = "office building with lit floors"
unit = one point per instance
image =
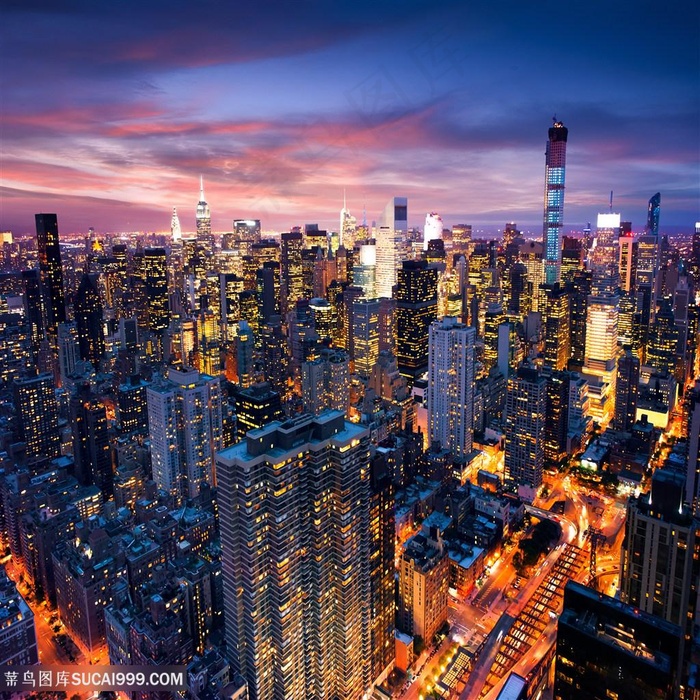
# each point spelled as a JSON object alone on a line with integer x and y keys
{"x": 526, "y": 410}
{"x": 294, "y": 511}
{"x": 608, "y": 650}
{"x": 601, "y": 353}
{"x": 185, "y": 430}
{"x": 416, "y": 297}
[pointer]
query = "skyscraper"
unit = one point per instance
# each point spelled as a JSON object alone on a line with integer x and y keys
{"x": 653, "y": 212}
{"x": 416, "y": 308}
{"x": 203, "y": 214}
{"x": 91, "y": 451}
{"x": 294, "y": 509}
{"x": 291, "y": 275}
{"x": 365, "y": 332}
{"x": 50, "y": 269}
{"x": 156, "y": 273}
{"x": 451, "y": 385}
{"x": 600, "y": 365}
{"x": 390, "y": 234}
{"x": 692, "y": 485}
{"x": 526, "y": 409}
{"x": 175, "y": 229}
{"x": 557, "y": 336}
{"x": 626, "y": 391}
{"x": 432, "y": 231}
{"x": 554, "y": 176}
{"x": 89, "y": 319}
{"x": 347, "y": 227}
{"x": 185, "y": 430}
{"x": 659, "y": 561}
{"x": 37, "y": 415}
{"x": 33, "y": 306}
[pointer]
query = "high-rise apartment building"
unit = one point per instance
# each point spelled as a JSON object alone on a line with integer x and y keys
{"x": 451, "y": 385}
{"x": 294, "y": 505}
{"x": 185, "y": 430}
{"x": 325, "y": 382}
{"x": 526, "y": 407}
{"x": 660, "y": 558}
{"x": 554, "y": 177}
{"x": 50, "y": 269}
{"x": 36, "y": 412}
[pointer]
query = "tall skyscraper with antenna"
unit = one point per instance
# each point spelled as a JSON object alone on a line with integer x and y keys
{"x": 348, "y": 223}
{"x": 175, "y": 229}
{"x": 203, "y": 214}
{"x": 554, "y": 176}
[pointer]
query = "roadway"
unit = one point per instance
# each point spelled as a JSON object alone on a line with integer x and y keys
{"x": 50, "y": 653}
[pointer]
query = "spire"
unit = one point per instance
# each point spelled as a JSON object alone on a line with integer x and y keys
{"x": 345, "y": 206}
{"x": 201, "y": 188}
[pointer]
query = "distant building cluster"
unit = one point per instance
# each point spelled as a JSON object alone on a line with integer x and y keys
{"x": 272, "y": 458}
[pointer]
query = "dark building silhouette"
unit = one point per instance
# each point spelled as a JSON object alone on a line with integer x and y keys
{"x": 268, "y": 290}
{"x": 257, "y": 406}
{"x": 91, "y": 449}
{"x": 580, "y": 289}
{"x": 50, "y": 269}
{"x": 33, "y": 306}
{"x": 606, "y": 649}
{"x": 88, "y": 320}
{"x": 557, "y": 423}
{"x": 626, "y": 391}
{"x": 416, "y": 309}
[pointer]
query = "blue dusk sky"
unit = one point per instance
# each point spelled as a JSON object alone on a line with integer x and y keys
{"x": 110, "y": 111}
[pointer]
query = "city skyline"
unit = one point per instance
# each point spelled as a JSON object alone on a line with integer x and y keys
{"x": 283, "y": 114}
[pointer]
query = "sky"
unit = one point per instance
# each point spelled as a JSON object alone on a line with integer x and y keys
{"x": 111, "y": 111}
